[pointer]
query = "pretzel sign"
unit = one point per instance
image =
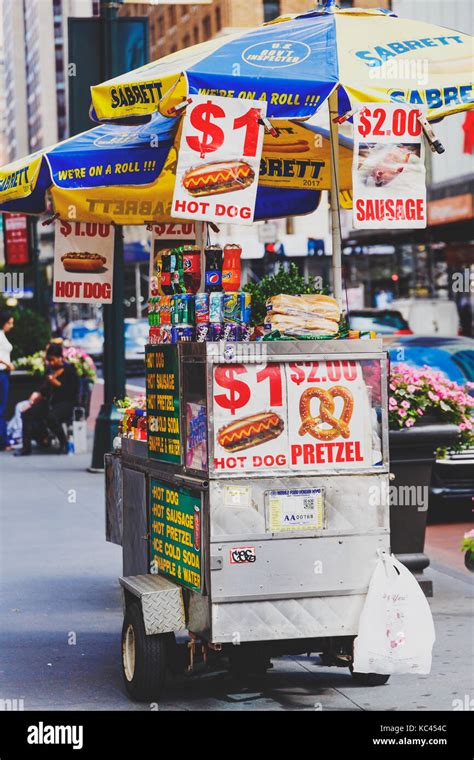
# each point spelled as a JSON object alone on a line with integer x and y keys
{"x": 339, "y": 426}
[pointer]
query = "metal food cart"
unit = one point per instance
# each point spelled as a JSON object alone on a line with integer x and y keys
{"x": 253, "y": 516}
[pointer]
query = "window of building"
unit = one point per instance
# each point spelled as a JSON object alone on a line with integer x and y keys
{"x": 186, "y": 41}
{"x": 218, "y": 18}
{"x": 172, "y": 15}
{"x": 271, "y": 9}
{"x": 196, "y": 34}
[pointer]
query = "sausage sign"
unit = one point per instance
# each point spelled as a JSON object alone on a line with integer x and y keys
{"x": 83, "y": 262}
{"x": 297, "y": 416}
{"x": 388, "y": 170}
{"x": 219, "y": 160}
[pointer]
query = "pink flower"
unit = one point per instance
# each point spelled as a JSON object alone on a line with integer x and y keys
{"x": 405, "y": 404}
{"x": 402, "y": 413}
{"x": 410, "y": 422}
{"x": 411, "y": 389}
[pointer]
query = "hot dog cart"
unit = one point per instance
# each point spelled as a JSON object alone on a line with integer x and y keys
{"x": 253, "y": 516}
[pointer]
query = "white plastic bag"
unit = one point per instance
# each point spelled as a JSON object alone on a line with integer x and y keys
{"x": 396, "y": 631}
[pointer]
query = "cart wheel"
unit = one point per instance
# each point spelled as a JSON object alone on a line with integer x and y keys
{"x": 369, "y": 679}
{"x": 144, "y": 658}
{"x": 469, "y": 560}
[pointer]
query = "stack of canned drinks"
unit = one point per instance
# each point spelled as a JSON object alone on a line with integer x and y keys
{"x": 201, "y": 317}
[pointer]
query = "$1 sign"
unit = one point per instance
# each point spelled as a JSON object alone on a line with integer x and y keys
{"x": 212, "y": 136}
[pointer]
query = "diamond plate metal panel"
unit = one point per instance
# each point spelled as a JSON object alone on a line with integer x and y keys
{"x": 286, "y": 619}
{"x": 162, "y": 603}
{"x": 357, "y": 503}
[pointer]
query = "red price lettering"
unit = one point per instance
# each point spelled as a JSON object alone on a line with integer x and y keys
{"x": 313, "y": 375}
{"x": 212, "y": 135}
{"x": 349, "y": 370}
{"x": 273, "y": 373}
{"x": 249, "y": 120}
{"x": 403, "y": 122}
{"x": 298, "y": 375}
{"x": 239, "y": 392}
{"x": 333, "y": 370}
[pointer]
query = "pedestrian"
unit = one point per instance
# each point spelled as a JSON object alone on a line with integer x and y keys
{"x": 6, "y": 324}
{"x": 59, "y": 392}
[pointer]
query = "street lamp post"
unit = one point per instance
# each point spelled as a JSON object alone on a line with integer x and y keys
{"x": 106, "y": 425}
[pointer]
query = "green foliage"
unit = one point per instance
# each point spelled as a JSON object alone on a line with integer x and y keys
{"x": 289, "y": 282}
{"x": 30, "y": 334}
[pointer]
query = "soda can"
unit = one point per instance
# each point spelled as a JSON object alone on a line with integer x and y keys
{"x": 183, "y": 309}
{"x": 232, "y": 307}
{"x": 202, "y": 332}
{"x": 164, "y": 334}
{"x": 216, "y": 307}
{"x": 201, "y": 308}
{"x": 165, "y": 310}
{"x": 182, "y": 334}
{"x": 245, "y": 332}
{"x": 246, "y": 308}
{"x": 216, "y": 330}
{"x": 231, "y": 331}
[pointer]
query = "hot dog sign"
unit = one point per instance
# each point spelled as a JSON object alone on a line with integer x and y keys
{"x": 219, "y": 160}
{"x": 83, "y": 262}
{"x": 300, "y": 416}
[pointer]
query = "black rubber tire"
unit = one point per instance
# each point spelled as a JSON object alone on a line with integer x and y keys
{"x": 469, "y": 560}
{"x": 369, "y": 679}
{"x": 145, "y": 678}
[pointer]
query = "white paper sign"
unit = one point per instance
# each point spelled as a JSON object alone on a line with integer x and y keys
{"x": 250, "y": 418}
{"x": 83, "y": 262}
{"x": 330, "y": 423}
{"x": 219, "y": 160}
{"x": 388, "y": 170}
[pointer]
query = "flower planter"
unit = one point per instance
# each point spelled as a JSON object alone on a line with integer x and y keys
{"x": 412, "y": 455}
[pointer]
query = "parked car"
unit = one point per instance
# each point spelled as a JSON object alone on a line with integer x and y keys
{"x": 429, "y": 316}
{"x": 136, "y": 338}
{"x": 86, "y": 335}
{"x": 452, "y": 482}
{"x": 381, "y": 321}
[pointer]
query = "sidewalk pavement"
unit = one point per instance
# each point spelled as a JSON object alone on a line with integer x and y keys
{"x": 61, "y": 615}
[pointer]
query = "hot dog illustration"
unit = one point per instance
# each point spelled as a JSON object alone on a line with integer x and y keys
{"x": 218, "y": 177}
{"x": 250, "y": 431}
{"x": 83, "y": 262}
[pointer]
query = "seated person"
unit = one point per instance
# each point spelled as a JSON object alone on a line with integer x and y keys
{"x": 58, "y": 397}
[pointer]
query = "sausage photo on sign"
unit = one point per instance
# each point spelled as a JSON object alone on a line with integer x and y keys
{"x": 380, "y": 164}
{"x": 250, "y": 431}
{"x": 83, "y": 262}
{"x": 217, "y": 178}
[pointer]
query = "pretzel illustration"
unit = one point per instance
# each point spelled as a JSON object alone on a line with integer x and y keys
{"x": 339, "y": 425}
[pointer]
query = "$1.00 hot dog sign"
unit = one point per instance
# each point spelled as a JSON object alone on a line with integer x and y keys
{"x": 219, "y": 160}
{"x": 83, "y": 262}
{"x": 299, "y": 416}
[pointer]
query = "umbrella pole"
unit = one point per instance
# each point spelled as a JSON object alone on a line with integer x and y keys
{"x": 334, "y": 207}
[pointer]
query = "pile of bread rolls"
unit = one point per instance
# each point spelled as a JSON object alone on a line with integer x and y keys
{"x": 303, "y": 316}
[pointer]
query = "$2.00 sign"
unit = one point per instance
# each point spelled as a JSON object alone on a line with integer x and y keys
{"x": 219, "y": 160}
{"x": 388, "y": 170}
{"x": 83, "y": 262}
{"x": 296, "y": 416}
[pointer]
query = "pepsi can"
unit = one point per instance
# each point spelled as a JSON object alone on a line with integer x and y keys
{"x": 216, "y": 307}
{"x": 201, "y": 308}
{"x": 216, "y": 331}
{"x": 182, "y": 334}
{"x": 202, "y": 332}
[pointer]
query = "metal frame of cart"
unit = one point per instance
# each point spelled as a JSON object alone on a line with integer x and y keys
{"x": 277, "y": 604}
